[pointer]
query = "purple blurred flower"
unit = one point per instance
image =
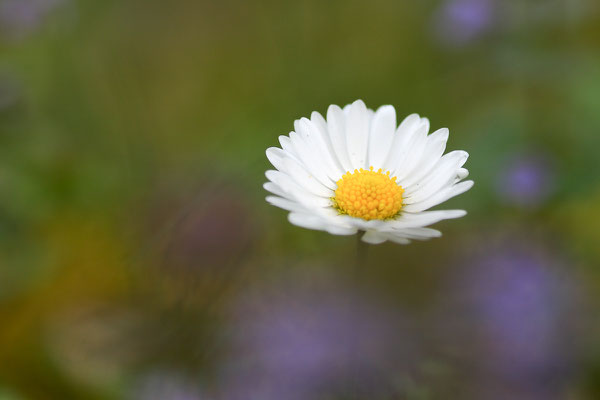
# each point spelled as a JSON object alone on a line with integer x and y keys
{"x": 302, "y": 341}
{"x": 459, "y": 22}
{"x": 165, "y": 386}
{"x": 518, "y": 302}
{"x": 513, "y": 320}
{"x": 21, "y": 17}
{"x": 526, "y": 180}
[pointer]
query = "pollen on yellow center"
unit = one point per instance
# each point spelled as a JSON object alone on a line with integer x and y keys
{"x": 368, "y": 194}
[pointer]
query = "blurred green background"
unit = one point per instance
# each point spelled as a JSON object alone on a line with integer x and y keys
{"x": 133, "y": 220}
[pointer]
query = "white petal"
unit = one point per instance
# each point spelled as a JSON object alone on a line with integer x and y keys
{"x": 321, "y": 150}
{"x": 408, "y": 124}
{"x": 339, "y": 230}
{"x": 275, "y": 189}
{"x": 363, "y": 225}
{"x": 286, "y": 145}
{"x": 419, "y": 233}
{"x": 397, "y": 239}
{"x": 462, "y": 174}
{"x": 410, "y": 220}
{"x": 436, "y": 144}
{"x": 276, "y": 156}
{"x": 293, "y": 191}
{"x": 357, "y": 134}
{"x": 305, "y": 179}
{"x": 320, "y": 126}
{"x": 373, "y": 237}
{"x": 312, "y": 164}
{"x": 306, "y": 220}
{"x": 425, "y": 121}
{"x": 439, "y": 197}
{"x": 382, "y": 135}
{"x": 412, "y": 151}
{"x": 336, "y": 124}
{"x": 286, "y": 204}
{"x": 442, "y": 175}
{"x": 402, "y": 138}
{"x": 310, "y": 221}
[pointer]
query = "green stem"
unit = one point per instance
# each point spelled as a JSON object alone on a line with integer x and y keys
{"x": 361, "y": 254}
{"x": 361, "y": 263}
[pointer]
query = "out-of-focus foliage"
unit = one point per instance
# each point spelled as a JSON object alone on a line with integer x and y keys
{"x": 138, "y": 259}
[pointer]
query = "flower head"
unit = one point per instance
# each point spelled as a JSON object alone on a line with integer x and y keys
{"x": 358, "y": 171}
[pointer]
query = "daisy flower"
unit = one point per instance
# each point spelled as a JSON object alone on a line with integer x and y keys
{"x": 357, "y": 171}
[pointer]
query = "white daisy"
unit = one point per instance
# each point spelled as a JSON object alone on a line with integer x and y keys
{"x": 357, "y": 171}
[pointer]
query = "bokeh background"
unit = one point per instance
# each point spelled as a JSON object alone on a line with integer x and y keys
{"x": 139, "y": 260}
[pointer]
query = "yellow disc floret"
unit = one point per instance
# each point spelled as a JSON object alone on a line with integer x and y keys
{"x": 368, "y": 194}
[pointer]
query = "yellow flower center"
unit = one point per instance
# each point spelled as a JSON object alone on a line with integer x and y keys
{"x": 368, "y": 194}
